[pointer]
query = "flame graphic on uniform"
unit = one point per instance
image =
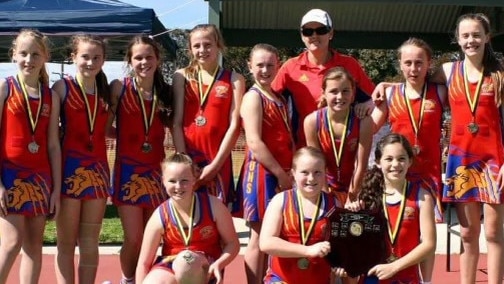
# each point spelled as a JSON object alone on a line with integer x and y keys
{"x": 25, "y": 192}
{"x": 139, "y": 186}
{"x": 83, "y": 179}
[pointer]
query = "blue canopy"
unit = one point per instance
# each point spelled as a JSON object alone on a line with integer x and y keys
{"x": 59, "y": 19}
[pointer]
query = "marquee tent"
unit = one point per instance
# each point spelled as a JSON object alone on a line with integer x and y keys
{"x": 60, "y": 19}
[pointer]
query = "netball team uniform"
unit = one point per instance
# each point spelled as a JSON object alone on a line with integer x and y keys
{"x": 137, "y": 174}
{"x": 408, "y": 234}
{"x": 475, "y": 153}
{"x": 85, "y": 167}
{"x": 205, "y": 235}
{"x": 288, "y": 270}
{"x": 25, "y": 167}
{"x": 426, "y": 165}
{"x": 256, "y": 182}
{"x": 300, "y": 82}
{"x": 203, "y": 140}
{"x": 339, "y": 177}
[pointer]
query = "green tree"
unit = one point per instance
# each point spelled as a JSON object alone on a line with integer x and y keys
{"x": 380, "y": 64}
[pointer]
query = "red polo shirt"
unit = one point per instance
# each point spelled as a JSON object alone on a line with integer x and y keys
{"x": 301, "y": 83}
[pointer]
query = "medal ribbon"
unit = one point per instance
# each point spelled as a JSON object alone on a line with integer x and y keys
{"x": 338, "y": 152}
{"x": 147, "y": 123}
{"x": 282, "y": 110}
{"x": 91, "y": 116}
{"x": 204, "y": 95}
{"x": 416, "y": 127}
{"x": 305, "y": 235}
{"x": 33, "y": 121}
{"x": 185, "y": 237}
{"x": 392, "y": 232}
{"x": 473, "y": 103}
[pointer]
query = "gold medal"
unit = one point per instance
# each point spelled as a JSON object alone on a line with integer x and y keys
{"x": 393, "y": 232}
{"x": 392, "y": 258}
{"x": 338, "y": 151}
{"x": 33, "y": 147}
{"x": 473, "y": 128}
{"x": 416, "y": 150}
{"x": 147, "y": 119}
{"x": 146, "y": 147}
{"x": 414, "y": 123}
{"x": 473, "y": 99}
{"x": 91, "y": 114}
{"x": 200, "y": 120}
{"x": 303, "y": 263}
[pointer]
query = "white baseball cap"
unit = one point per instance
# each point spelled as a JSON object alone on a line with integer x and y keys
{"x": 317, "y": 15}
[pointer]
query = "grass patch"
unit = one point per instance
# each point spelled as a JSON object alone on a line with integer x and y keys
{"x": 111, "y": 232}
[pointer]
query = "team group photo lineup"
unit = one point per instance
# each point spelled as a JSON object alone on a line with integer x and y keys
{"x": 343, "y": 179}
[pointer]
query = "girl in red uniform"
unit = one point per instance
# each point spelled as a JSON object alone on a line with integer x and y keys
{"x": 343, "y": 138}
{"x": 141, "y": 104}
{"x": 475, "y": 168}
{"x": 408, "y": 208}
{"x": 293, "y": 231}
{"x": 86, "y": 177}
{"x": 269, "y": 151}
{"x": 414, "y": 109}
{"x": 196, "y": 230}
{"x": 206, "y": 123}
{"x": 30, "y": 184}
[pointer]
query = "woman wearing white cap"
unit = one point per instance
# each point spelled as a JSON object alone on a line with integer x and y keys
{"x": 300, "y": 78}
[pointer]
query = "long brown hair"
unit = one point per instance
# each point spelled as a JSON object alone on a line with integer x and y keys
{"x": 163, "y": 90}
{"x": 373, "y": 183}
{"x": 101, "y": 78}
{"x": 493, "y": 67}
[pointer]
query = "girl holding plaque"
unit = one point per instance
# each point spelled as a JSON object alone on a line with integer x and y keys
{"x": 407, "y": 206}
{"x": 206, "y": 123}
{"x": 293, "y": 231}
{"x": 474, "y": 171}
{"x": 141, "y": 104}
{"x": 414, "y": 109}
{"x": 30, "y": 183}
{"x": 269, "y": 151}
{"x": 343, "y": 138}
{"x": 86, "y": 179}
{"x": 196, "y": 230}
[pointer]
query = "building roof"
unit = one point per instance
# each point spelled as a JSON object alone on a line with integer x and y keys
{"x": 358, "y": 24}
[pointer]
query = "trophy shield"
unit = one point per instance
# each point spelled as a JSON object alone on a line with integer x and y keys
{"x": 358, "y": 239}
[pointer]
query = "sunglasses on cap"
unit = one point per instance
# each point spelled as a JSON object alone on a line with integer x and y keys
{"x": 320, "y": 31}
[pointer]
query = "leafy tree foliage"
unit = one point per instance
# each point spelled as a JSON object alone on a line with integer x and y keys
{"x": 379, "y": 64}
